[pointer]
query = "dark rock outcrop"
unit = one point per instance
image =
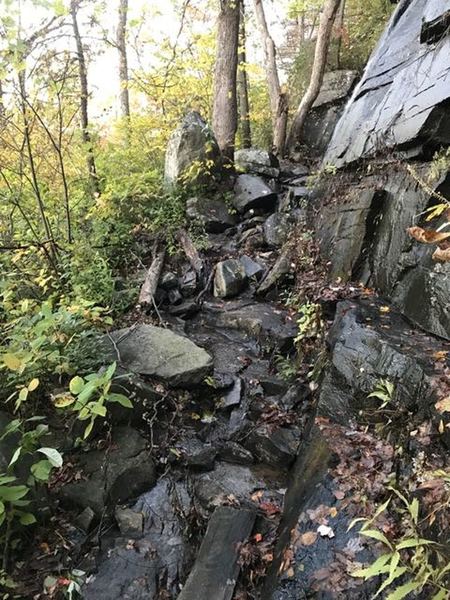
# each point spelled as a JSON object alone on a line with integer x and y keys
{"x": 212, "y": 214}
{"x": 402, "y": 100}
{"x": 251, "y": 191}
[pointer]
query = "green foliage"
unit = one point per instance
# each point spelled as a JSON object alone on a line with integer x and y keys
{"x": 89, "y": 397}
{"x": 384, "y": 391}
{"x": 410, "y": 560}
{"x": 310, "y": 323}
{"x": 31, "y": 465}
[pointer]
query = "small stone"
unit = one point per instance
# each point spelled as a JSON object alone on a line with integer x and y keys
{"x": 85, "y": 519}
{"x": 130, "y": 523}
{"x": 169, "y": 281}
{"x": 233, "y": 397}
{"x": 230, "y": 278}
{"x": 276, "y": 229}
{"x": 252, "y": 268}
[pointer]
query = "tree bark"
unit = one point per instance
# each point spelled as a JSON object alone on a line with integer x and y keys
{"x": 242, "y": 84}
{"x": 327, "y": 19}
{"x": 278, "y": 99}
{"x": 148, "y": 289}
{"x": 341, "y": 22}
{"x": 123, "y": 59}
{"x": 84, "y": 95}
{"x": 224, "y": 117}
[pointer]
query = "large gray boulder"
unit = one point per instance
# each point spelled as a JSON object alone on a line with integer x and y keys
{"x": 211, "y": 213}
{"x": 402, "y": 99}
{"x": 255, "y": 160}
{"x": 250, "y": 191}
{"x": 276, "y": 229}
{"x": 326, "y": 110}
{"x": 191, "y": 143}
{"x": 160, "y": 353}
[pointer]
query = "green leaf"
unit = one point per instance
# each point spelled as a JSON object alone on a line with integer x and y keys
{"x": 88, "y": 429}
{"x": 375, "y": 569}
{"x": 53, "y": 456}
{"x": 395, "y": 575}
{"x": 394, "y": 563}
{"x": 87, "y": 391}
{"x": 27, "y": 519}
{"x": 63, "y": 400}
{"x": 13, "y": 492}
{"x": 23, "y": 394}
{"x": 121, "y": 399}
{"x": 98, "y": 409}
{"x": 15, "y": 457}
{"x": 7, "y": 479}
{"x": 111, "y": 370}
{"x": 34, "y": 383}
{"x": 414, "y": 510}
{"x": 441, "y": 595}
{"x": 76, "y": 385}
{"x": 41, "y": 470}
{"x": 2, "y": 508}
{"x": 413, "y": 543}
{"x": 404, "y": 590}
{"x": 377, "y": 535}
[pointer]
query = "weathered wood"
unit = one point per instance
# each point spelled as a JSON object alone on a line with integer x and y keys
{"x": 148, "y": 289}
{"x": 216, "y": 569}
{"x": 190, "y": 250}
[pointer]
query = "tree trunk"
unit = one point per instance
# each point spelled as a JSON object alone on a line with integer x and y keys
{"x": 242, "y": 84}
{"x": 320, "y": 57}
{"x": 224, "y": 117}
{"x": 84, "y": 95}
{"x": 278, "y": 100}
{"x": 341, "y": 21}
{"x": 123, "y": 59}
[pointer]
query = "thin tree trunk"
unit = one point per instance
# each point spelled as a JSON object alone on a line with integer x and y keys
{"x": 327, "y": 19}
{"x": 123, "y": 59}
{"x": 224, "y": 117}
{"x": 52, "y": 255}
{"x": 148, "y": 289}
{"x": 84, "y": 95}
{"x": 341, "y": 20}
{"x": 278, "y": 99}
{"x": 242, "y": 84}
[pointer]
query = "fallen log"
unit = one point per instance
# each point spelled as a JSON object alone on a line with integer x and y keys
{"x": 191, "y": 251}
{"x": 148, "y": 289}
{"x": 214, "y": 574}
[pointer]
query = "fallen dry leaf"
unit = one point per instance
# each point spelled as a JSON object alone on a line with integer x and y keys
{"x": 428, "y": 236}
{"x": 443, "y": 405}
{"x": 440, "y": 255}
{"x": 308, "y": 538}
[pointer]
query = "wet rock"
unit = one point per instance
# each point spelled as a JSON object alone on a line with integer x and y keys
{"x": 251, "y": 191}
{"x": 276, "y": 447}
{"x": 368, "y": 345}
{"x": 160, "y": 353}
{"x": 277, "y": 273}
{"x": 185, "y": 310}
{"x": 155, "y": 564}
{"x": 230, "y": 278}
{"x": 254, "y": 160}
{"x": 269, "y": 325}
{"x": 327, "y": 109}
{"x": 252, "y": 268}
{"x": 391, "y": 104}
{"x": 212, "y": 214}
{"x": 233, "y": 452}
{"x": 168, "y": 281}
{"x": 192, "y": 142}
{"x": 226, "y": 479}
{"x": 85, "y": 519}
{"x": 276, "y": 229}
{"x": 130, "y": 522}
{"x": 217, "y": 567}
{"x": 188, "y": 283}
{"x": 126, "y": 471}
{"x": 232, "y": 397}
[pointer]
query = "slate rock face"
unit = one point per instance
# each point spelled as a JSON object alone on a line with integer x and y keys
{"x": 328, "y": 107}
{"x": 230, "y": 278}
{"x": 252, "y": 192}
{"x": 365, "y": 238}
{"x": 193, "y": 141}
{"x": 393, "y": 106}
{"x": 368, "y": 345}
{"x": 160, "y": 353}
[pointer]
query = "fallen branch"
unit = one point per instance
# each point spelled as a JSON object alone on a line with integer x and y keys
{"x": 191, "y": 251}
{"x": 148, "y": 289}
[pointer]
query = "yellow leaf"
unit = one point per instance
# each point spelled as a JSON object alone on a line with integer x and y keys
{"x": 63, "y": 400}
{"x": 384, "y": 309}
{"x": 12, "y": 362}
{"x": 443, "y": 405}
{"x": 33, "y": 384}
